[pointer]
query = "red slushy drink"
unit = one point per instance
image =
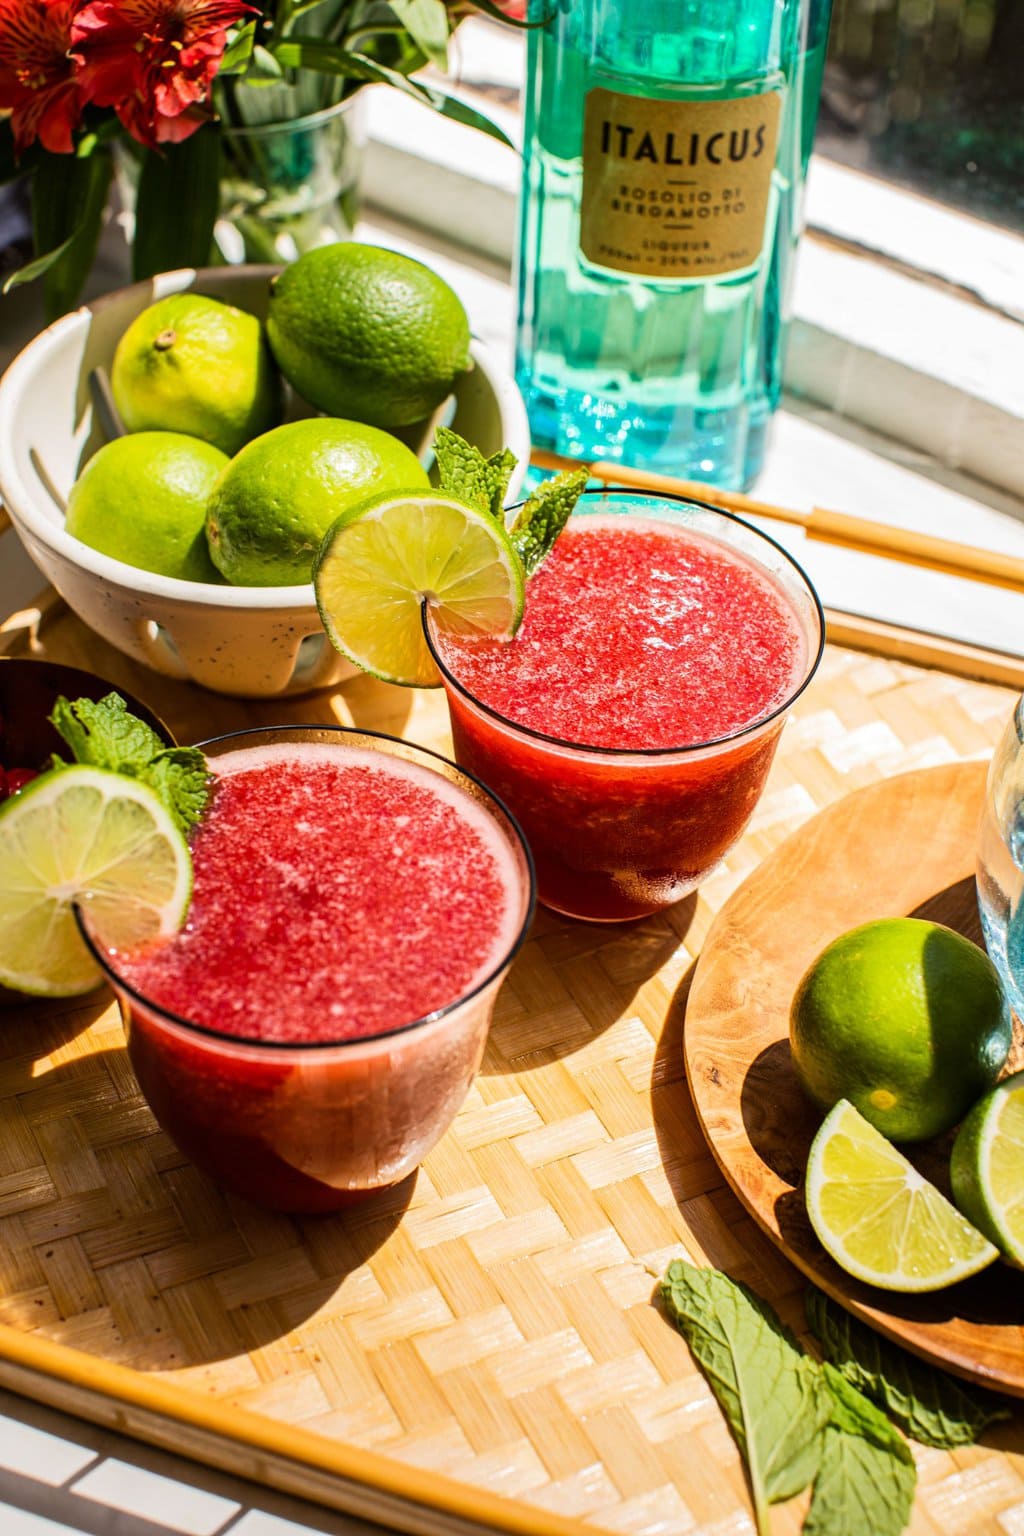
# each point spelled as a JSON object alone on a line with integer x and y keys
{"x": 631, "y": 722}
{"x": 315, "y": 1026}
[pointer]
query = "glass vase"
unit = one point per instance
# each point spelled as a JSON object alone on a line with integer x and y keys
{"x": 289, "y": 186}
{"x": 285, "y": 185}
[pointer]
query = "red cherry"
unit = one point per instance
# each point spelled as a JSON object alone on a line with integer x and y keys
{"x": 17, "y": 778}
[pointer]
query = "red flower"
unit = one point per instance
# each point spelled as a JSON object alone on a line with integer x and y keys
{"x": 37, "y": 76}
{"x": 153, "y": 61}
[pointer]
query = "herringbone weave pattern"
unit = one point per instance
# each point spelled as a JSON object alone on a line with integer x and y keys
{"x": 494, "y": 1321}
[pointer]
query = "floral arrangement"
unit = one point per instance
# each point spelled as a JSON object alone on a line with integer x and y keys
{"x": 160, "y": 80}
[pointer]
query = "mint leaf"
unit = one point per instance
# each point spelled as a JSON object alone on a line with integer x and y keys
{"x": 105, "y": 734}
{"x": 179, "y": 776}
{"x": 465, "y": 473}
{"x": 867, "y": 1477}
{"x": 931, "y": 1406}
{"x": 773, "y": 1395}
{"x": 544, "y": 516}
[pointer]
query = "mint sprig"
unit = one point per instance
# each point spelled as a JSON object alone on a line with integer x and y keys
{"x": 866, "y": 1477}
{"x": 104, "y": 734}
{"x": 464, "y": 473}
{"x": 544, "y": 516}
{"x": 772, "y": 1394}
{"x": 928, "y": 1404}
{"x": 794, "y": 1420}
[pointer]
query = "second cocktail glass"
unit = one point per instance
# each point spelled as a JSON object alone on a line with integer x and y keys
{"x": 620, "y": 831}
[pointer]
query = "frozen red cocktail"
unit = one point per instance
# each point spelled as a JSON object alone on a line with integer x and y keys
{"x": 631, "y": 723}
{"x": 313, "y": 1029}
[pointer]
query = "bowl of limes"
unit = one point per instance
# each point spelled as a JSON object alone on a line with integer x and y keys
{"x": 172, "y": 454}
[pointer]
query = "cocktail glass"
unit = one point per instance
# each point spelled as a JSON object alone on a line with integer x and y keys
{"x": 313, "y": 1126}
{"x": 620, "y": 833}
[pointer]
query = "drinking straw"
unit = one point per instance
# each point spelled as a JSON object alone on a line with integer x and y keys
{"x": 858, "y": 533}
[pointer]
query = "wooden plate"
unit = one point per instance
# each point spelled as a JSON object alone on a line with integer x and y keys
{"x": 901, "y": 847}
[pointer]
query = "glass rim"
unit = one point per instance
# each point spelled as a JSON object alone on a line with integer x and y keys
{"x": 249, "y": 1042}
{"x": 287, "y": 125}
{"x": 692, "y": 748}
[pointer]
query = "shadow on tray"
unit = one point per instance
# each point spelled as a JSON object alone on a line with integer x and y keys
{"x": 120, "y": 1246}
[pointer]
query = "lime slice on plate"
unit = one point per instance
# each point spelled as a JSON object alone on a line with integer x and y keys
{"x": 987, "y": 1167}
{"x": 84, "y": 834}
{"x": 881, "y": 1219}
{"x": 378, "y": 563}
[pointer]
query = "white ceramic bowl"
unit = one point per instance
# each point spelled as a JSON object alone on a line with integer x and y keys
{"x": 249, "y": 641}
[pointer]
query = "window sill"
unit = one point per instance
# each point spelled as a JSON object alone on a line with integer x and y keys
{"x": 909, "y": 354}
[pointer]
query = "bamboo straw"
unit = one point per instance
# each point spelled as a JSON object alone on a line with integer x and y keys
{"x": 923, "y": 549}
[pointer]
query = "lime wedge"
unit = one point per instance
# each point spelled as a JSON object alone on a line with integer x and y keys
{"x": 879, "y": 1218}
{"x": 89, "y": 835}
{"x": 987, "y": 1167}
{"x": 382, "y": 559}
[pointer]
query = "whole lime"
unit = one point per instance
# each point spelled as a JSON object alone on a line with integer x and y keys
{"x": 279, "y": 495}
{"x": 191, "y": 364}
{"x": 368, "y": 334}
{"x": 907, "y": 1020}
{"x": 142, "y": 499}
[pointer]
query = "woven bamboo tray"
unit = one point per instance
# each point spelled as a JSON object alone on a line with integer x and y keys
{"x": 477, "y": 1351}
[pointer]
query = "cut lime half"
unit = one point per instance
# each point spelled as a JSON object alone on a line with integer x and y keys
{"x": 381, "y": 560}
{"x": 987, "y": 1167}
{"x": 85, "y": 835}
{"x": 881, "y": 1219}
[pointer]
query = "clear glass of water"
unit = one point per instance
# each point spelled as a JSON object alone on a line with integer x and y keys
{"x": 1000, "y": 869}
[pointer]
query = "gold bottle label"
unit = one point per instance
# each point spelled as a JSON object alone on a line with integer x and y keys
{"x": 676, "y": 188}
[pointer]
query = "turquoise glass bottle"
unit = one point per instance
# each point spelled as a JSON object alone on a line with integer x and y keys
{"x": 666, "y": 145}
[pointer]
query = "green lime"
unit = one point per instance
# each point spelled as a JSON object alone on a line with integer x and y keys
{"x": 879, "y": 1218}
{"x": 87, "y": 835}
{"x": 278, "y": 497}
{"x": 382, "y": 559}
{"x": 365, "y": 333}
{"x": 142, "y": 499}
{"x": 987, "y": 1167}
{"x": 907, "y": 1020}
{"x": 192, "y": 364}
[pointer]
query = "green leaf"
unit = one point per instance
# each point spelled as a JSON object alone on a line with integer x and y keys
{"x": 177, "y": 203}
{"x": 179, "y": 776}
{"x": 105, "y": 734}
{"x": 68, "y": 199}
{"x": 332, "y": 59}
{"x": 264, "y": 67}
{"x": 774, "y": 1396}
{"x": 931, "y": 1406}
{"x": 35, "y": 268}
{"x": 427, "y": 23}
{"x": 236, "y": 56}
{"x": 867, "y": 1476}
{"x": 464, "y": 472}
{"x": 544, "y": 516}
